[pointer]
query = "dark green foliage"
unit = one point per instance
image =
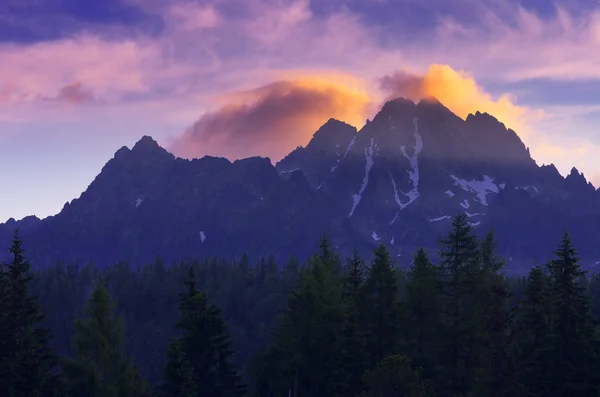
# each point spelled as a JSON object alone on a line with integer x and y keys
{"x": 178, "y": 374}
{"x": 314, "y": 329}
{"x": 26, "y": 361}
{"x": 421, "y": 311}
{"x": 460, "y": 361}
{"x": 100, "y": 367}
{"x": 496, "y": 320}
{"x": 348, "y": 367}
{"x": 533, "y": 325}
{"x": 573, "y": 370}
{"x": 305, "y": 349}
{"x": 394, "y": 376}
{"x": 382, "y": 307}
{"x": 206, "y": 344}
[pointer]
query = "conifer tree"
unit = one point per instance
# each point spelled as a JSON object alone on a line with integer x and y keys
{"x": 494, "y": 301}
{"x": 573, "y": 372}
{"x": 381, "y": 297}
{"x": 395, "y": 376}
{"x": 100, "y": 368}
{"x": 26, "y": 360}
{"x": 349, "y": 365}
{"x": 532, "y": 329}
{"x": 421, "y": 311}
{"x": 206, "y": 344}
{"x": 305, "y": 346}
{"x": 459, "y": 274}
{"x": 178, "y": 374}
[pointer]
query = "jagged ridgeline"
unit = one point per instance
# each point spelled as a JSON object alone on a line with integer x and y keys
{"x": 398, "y": 180}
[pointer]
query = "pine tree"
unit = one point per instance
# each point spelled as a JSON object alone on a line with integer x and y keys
{"x": 496, "y": 317}
{"x": 206, "y": 344}
{"x": 100, "y": 368}
{"x": 421, "y": 311}
{"x": 573, "y": 372}
{"x": 305, "y": 347}
{"x": 26, "y": 362}
{"x": 349, "y": 366}
{"x": 395, "y": 376}
{"x": 532, "y": 329}
{"x": 381, "y": 299}
{"x": 329, "y": 257}
{"x": 459, "y": 363}
{"x": 178, "y": 374}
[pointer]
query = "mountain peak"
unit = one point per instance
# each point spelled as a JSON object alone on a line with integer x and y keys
{"x": 430, "y": 99}
{"x": 576, "y": 182}
{"x": 146, "y": 143}
{"x": 332, "y": 133}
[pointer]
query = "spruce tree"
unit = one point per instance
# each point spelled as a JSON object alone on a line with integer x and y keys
{"x": 349, "y": 366}
{"x": 573, "y": 371}
{"x": 496, "y": 317}
{"x": 421, "y": 311}
{"x": 381, "y": 299}
{"x": 306, "y": 344}
{"x": 100, "y": 368}
{"x": 459, "y": 363}
{"x": 531, "y": 335}
{"x": 206, "y": 344}
{"x": 178, "y": 374}
{"x": 26, "y": 360}
{"x": 395, "y": 376}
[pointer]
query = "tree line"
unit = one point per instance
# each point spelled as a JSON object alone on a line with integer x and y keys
{"x": 327, "y": 327}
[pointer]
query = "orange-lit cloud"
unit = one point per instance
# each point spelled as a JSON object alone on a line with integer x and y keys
{"x": 273, "y": 119}
{"x": 460, "y": 93}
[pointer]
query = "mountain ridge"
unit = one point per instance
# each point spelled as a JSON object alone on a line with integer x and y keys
{"x": 398, "y": 180}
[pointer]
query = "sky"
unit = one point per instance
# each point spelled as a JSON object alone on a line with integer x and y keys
{"x": 79, "y": 79}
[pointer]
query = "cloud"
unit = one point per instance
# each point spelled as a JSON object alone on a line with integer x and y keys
{"x": 192, "y": 16}
{"x": 272, "y": 119}
{"x": 460, "y": 93}
{"x": 513, "y": 43}
{"x": 72, "y": 94}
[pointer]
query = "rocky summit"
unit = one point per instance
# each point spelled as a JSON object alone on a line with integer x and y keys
{"x": 397, "y": 181}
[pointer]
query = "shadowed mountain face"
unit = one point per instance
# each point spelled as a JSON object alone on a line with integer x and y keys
{"x": 397, "y": 181}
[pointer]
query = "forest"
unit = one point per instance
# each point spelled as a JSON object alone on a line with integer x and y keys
{"x": 325, "y": 328}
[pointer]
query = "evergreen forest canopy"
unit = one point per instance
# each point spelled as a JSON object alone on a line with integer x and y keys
{"x": 327, "y": 327}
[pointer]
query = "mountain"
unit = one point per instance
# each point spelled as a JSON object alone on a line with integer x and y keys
{"x": 397, "y": 181}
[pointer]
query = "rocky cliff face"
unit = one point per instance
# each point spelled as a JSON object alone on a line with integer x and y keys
{"x": 397, "y": 181}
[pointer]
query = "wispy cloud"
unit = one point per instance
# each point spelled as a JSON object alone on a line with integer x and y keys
{"x": 178, "y": 71}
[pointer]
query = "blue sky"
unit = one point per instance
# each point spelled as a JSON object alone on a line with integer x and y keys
{"x": 79, "y": 79}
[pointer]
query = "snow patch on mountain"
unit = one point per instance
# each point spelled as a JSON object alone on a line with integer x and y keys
{"x": 202, "y": 236}
{"x": 473, "y": 224}
{"x": 345, "y": 154}
{"x": 465, "y": 204}
{"x": 352, "y": 142}
{"x": 138, "y": 202}
{"x": 288, "y": 171}
{"x": 527, "y": 188}
{"x": 468, "y": 214}
{"x": 480, "y": 188}
{"x": 441, "y": 218}
{"x": 449, "y": 193}
{"x": 369, "y": 164}
{"x": 375, "y": 236}
{"x": 413, "y": 173}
